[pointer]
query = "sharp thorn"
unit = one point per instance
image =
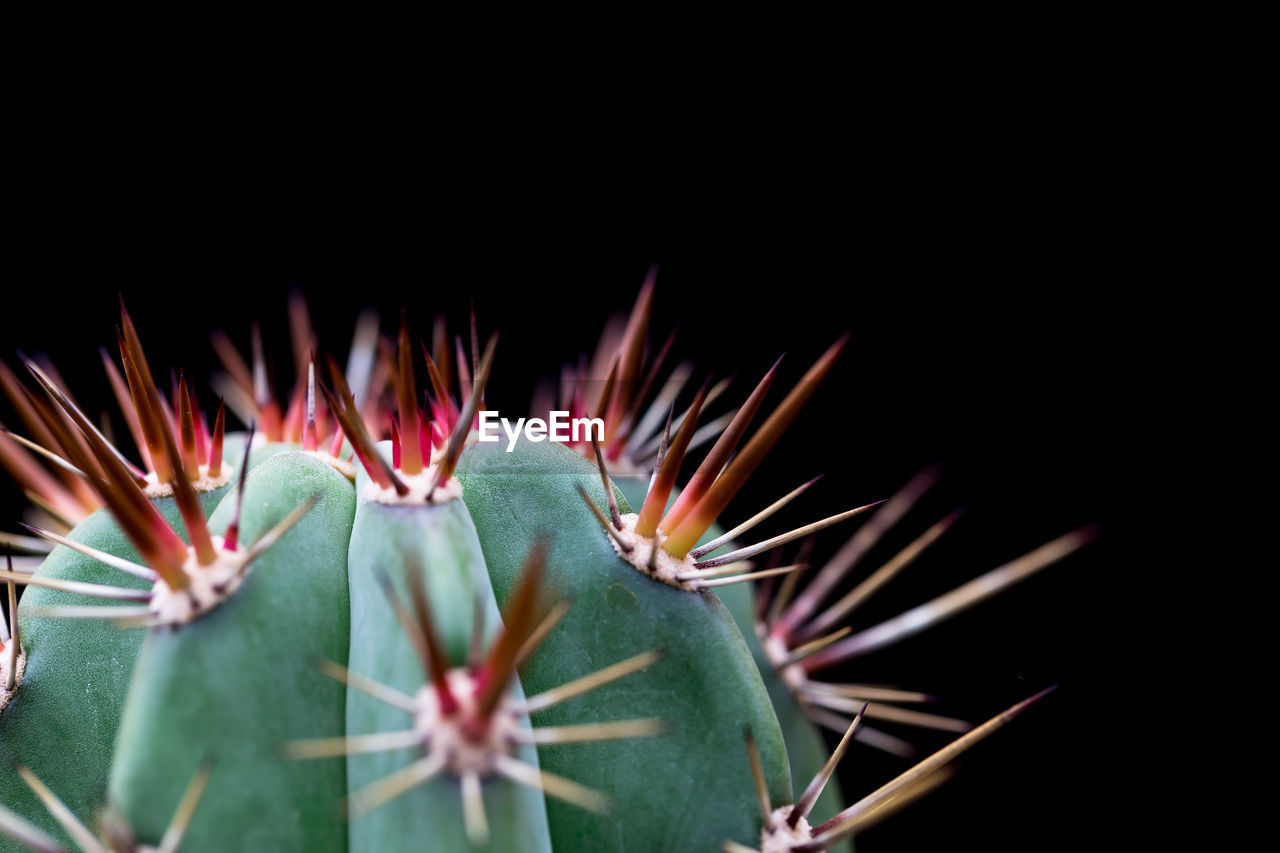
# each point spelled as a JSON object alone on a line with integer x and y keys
{"x": 477, "y": 825}
{"x": 44, "y": 453}
{"x": 186, "y": 809}
{"x": 70, "y": 824}
{"x": 858, "y": 545}
{"x": 837, "y": 827}
{"x": 590, "y": 732}
{"x": 604, "y": 522}
{"x": 752, "y": 576}
{"x": 736, "y": 473}
{"x": 799, "y": 532}
{"x": 865, "y": 691}
{"x": 120, "y": 563}
{"x": 814, "y": 646}
{"x": 864, "y": 590}
{"x": 552, "y": 785}
{"x": 104, "y": 612}
{"x": 614, "y": 515}
{"x": 865, "y": 735}
{"x": 386, "y": 789}
{"x": 945, "y": 606}
{"x": 751, "y": 522}
{"x": 590, "y": 682}
{"x": 805, "y": 804}
{"x": 24, "y": 833}
{"x": 889, "y": 713}
{"x": 26, "y": 544}
{"x": 334, "y": 747}
{"x": 540, "y": 633}
{"x": 272, "y": 536}
{"x": 90, "y": 590}
{"x": 757, "y": 776}
{"x": 356, "y": 681}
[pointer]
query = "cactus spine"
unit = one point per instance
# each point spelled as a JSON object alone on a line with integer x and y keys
{"x": 528, "y": 664}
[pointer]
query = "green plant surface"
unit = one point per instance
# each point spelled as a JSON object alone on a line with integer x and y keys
{"x": 63, "y": 718}
{"x": 806, "y": 750}
{"x": 440, "y": 542}
{"x": 689, "y": 789}
{"x": 235, "y": 684}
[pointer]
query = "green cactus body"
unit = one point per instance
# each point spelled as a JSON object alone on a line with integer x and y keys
{"x": 440, "y": 541}
{"x": 806, "y": 750}
{"x": 689, "y": 789}
{"x": 63, "y": 718}
{"x": 234, "y": 684}
{"x": 233, "y": 449}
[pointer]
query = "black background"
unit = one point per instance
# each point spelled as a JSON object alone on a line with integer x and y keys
{"x": 987, "y": 333}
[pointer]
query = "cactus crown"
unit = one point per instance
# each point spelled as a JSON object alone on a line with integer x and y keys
{"x": 449, "y": 522}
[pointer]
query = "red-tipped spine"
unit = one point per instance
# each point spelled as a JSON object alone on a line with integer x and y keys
{"x": 215, "y": 444}
{"x": 131, "y": 345}
{"x": 619, "y": 442}
{"x": 440, "y": 391}
{"x": 231, "y": 539}
{"x": 202, "y": 427}
{"x": 135, "y": 345}
{"x": 687, "y": 533}
{"x": 439, "y": 662}
{"x": 665, "y": 478}
{"x": 183, "y": 493}
{"x": 148, "y": 419}
{"x": 629, "y": 355}
{"x": 159, "y": 546}
{"x": 410, "y": 424}
{"x": 711, "y": 467}
{"x": 519, "y": 620}
{"x": 34, "y": 479}
{"x": 187, "y": 431}
{"x": 444, "y": 470}
{"x": 464, "y": 372}
{"x": 378, "y": 469}
{"x": 28, "y": 411}
{"x": 125, "y": 402}
{"x": 605, "y": 400}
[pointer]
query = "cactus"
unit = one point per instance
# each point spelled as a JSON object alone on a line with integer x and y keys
{"x": 474, "y": 645}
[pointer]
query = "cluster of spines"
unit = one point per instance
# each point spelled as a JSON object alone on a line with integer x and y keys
{"x": 714, "y": 484}
{"x": 121, "y": 487}
{"x": 799, "y": 641}
{"x": 172, "y": 437}
{"x": 726, "y": 468}
{"x": 802, "y": 640}
{"x": 485, "y": 677}
{"x": 115, "y": 835}
{"x": 786, "y": 828}
{"x": 418, "y": 441}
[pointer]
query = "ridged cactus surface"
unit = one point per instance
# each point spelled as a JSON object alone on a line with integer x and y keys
{"x": 362, "y": 626}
